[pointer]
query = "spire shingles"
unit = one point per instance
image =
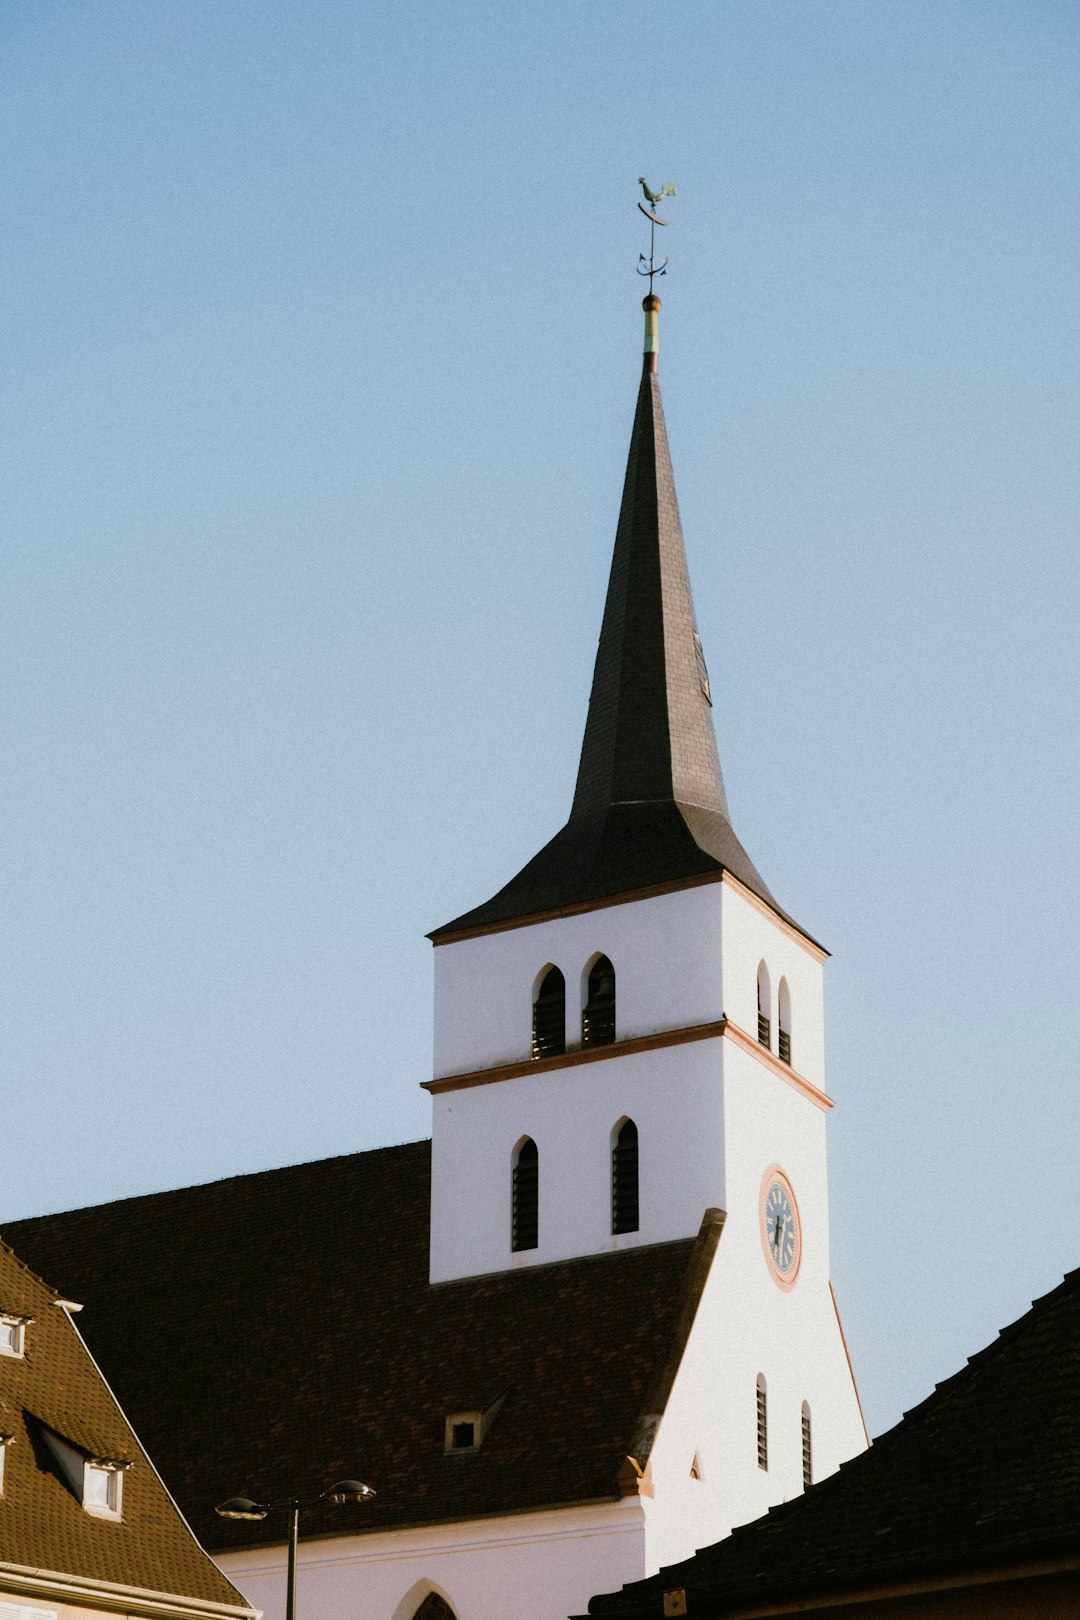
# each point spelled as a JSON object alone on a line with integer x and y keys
{"x": 649, "y": 807}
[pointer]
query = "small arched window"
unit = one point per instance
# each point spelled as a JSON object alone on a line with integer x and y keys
{"x": 764, "y": 1005}
{"x": 549, "y": 1016}
{"x": 762, "y": 1424}
{"x": 807, "y": 1454}
{"x": 525, "y": 1196}
{"x": 784, "y": 1022}
{"x": 624, "y": 1178}
{"x": 598, "y": 1014}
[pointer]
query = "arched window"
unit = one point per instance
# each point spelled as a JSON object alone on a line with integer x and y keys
{"x": 549, "y": 1015}
{"x": 598, "y": 1014}
{"x": 762, "y": 1425}
{"x": 764, "y": 1005}
{"x": 525, "y": 1196}
{"x": 807, "y": 1454}
{"x": 434, "y": 1608}
{"x": 784, "y": 1022}
{"x": 624, "y": 1178}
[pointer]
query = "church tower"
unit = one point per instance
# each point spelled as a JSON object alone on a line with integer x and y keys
{"x": 629, "y": 1037}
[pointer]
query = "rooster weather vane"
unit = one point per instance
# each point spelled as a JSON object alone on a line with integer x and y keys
{"x": 649, "y": 267}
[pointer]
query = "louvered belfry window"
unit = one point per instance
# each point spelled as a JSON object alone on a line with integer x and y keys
{"x": 624, "y": 1179}
{"x": 807, "y": 1454}
{"x": 549, "y": 1016}
{"x": 525, "y": 1195}
{"x": 764, "y": 991}
{"x": 762, "y": 1426}
{"x": 784, "y": 1022}
{"x": 598, "y": 1016}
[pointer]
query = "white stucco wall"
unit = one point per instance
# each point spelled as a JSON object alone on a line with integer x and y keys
{"x": 666, "y": 955}
{"x": 673, "y": 1095}
{"x": 535, "y": 1566}
{"x": 750, "y": 936}
{"x": 747, "y": 1325}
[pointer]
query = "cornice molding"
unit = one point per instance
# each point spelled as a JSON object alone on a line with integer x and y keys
{"x": 717, "y": 1029}
{"x": 87, "y": 1593}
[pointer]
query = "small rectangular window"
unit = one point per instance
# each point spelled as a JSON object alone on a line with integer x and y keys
{"x": 762, "y": 1430}
{"x": 12, "y": 1335}
{"x": 463, "y": 1431}
{"x": 101, "y": 1489}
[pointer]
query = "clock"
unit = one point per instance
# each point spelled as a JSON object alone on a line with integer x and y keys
{"x": 781, "y": 1228}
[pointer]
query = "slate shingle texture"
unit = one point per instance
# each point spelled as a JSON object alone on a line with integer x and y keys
{"x": 649, "y": 808}
{"x": 985, "y": 1473}
{"x": 272, "y": 1333}
{"x": 43, "y": 1526}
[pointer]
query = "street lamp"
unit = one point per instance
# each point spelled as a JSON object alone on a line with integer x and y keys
{"x": 242, "y": 1507}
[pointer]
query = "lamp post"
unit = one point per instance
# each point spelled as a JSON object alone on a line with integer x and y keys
{"x": 242, "y": 1507}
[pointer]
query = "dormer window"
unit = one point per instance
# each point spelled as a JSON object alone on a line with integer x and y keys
{"x": 96, "y": 1481}
{"x": 13, "y": 1335}
{"x": 463, "y": 1431}
{"x": 102, "y": 1487}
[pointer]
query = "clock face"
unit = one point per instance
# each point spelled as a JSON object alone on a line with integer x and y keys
{"x": 781, "y": 1229}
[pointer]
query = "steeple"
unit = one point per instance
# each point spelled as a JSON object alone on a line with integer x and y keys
{"x": 649, "y": 807}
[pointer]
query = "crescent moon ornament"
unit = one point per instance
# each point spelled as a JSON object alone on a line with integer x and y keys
{"x": 649, "y": 267}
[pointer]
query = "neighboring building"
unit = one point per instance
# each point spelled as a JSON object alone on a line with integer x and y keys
{"x": 968, "y": 1507}
{"x": 621, "y": 1339}
{"x": 86, "y": 1526}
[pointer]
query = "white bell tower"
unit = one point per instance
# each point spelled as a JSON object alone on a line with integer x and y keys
{"x": 630, "y": 1034}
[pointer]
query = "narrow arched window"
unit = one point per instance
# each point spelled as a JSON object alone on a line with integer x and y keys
{"x": 598, "y": 1014}
{"x": 784, "y": 1022}
{"x": 624, "y": 1178}
{"x": 807, "y": 1454}
{"x": 525, "y": 1197}
{"x": 764, "y": 1004}
{"x": 549, "y": 1016}
{"x": 762, "y": 1425}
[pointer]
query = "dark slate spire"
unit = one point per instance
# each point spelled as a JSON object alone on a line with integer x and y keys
{"x": 649, "y": 807}
{"x": 649, "y": 735}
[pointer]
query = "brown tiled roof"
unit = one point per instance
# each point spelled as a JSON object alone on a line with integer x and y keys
{"x": 984, "y": 1474}
{"x": 55, "y": 1386}
{"x": 272, "y": 1333}
{"x": 649, "y": 807}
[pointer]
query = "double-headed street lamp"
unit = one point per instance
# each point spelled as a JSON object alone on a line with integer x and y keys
{"x": 242, "y": 1507}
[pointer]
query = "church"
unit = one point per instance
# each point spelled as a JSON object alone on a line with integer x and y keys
{"x": 589, "y": 1327}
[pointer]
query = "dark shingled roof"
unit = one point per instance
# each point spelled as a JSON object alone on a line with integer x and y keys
{"x": 650, "y": 806}
{"x": 985, "y": 1473}
{"x": 275, "y": 1332}
{"x": 55, "y": 1387}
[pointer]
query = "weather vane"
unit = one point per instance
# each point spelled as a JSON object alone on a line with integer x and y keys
{"x": 649, "y": 267}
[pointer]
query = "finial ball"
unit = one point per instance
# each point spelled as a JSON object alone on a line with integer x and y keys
{"x": 650, "y": 303}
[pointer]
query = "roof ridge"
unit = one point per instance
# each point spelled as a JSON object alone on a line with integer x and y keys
{"x": 215, "y": 1181}
{"x": 30, "y": 1272}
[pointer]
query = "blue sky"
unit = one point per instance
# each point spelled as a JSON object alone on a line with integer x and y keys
{"x": 321, "y": 338}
